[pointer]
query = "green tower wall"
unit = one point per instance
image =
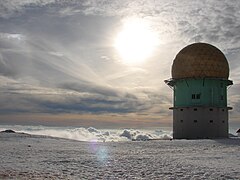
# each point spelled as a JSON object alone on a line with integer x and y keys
{"x": 205, "y": 92}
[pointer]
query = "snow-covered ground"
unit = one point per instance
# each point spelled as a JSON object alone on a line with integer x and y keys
{"x": 25, "y": 156}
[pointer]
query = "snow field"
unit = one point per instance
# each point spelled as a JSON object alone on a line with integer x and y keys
{"x": 39, "y": 157}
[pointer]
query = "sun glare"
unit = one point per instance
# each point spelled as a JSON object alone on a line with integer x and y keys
{"x": 136, "y": 42}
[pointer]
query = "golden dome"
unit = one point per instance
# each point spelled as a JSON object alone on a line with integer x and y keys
{"x": 200, "y": 60}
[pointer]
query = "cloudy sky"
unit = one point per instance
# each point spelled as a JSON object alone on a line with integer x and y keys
{"x": 67, "y": 62}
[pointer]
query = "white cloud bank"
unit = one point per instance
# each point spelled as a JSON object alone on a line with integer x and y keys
{"x": 92, "y": 134}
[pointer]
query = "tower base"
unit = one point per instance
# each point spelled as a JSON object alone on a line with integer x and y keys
{"x": 200, "y": 122}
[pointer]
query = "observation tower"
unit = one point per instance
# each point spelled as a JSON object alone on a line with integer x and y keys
{"x": 199, "y": 81}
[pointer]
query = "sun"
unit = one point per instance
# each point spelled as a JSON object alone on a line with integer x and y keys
{"x": 136, "y": 41}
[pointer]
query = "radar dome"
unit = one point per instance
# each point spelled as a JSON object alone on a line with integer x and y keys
{"x": 200, "y": 60}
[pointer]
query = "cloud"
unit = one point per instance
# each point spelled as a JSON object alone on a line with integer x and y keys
{"x": 11, "y": 36}
{"x": 187, "y": 21}
{"x": 47, "y": 78}
{"x": 17, "y": 96}
{"x": 15, "y": 7}
{"x": 92, "y": 134}
{"x": 4, "y": 68}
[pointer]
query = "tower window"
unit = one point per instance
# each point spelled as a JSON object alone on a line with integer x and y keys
{"x": 195, "y": 109}
{"x": 181, "y": 121}
{"x": 196, "y": 96}
{"x": 222, "y": 109}
{"x": 195, "y": 121}
{"x": 193, "y": 96}
{"x": 210, "y": 109}
{"x": 211, "y": 121}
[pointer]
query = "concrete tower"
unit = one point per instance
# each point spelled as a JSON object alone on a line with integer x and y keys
{"x": 199, "y": 80}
